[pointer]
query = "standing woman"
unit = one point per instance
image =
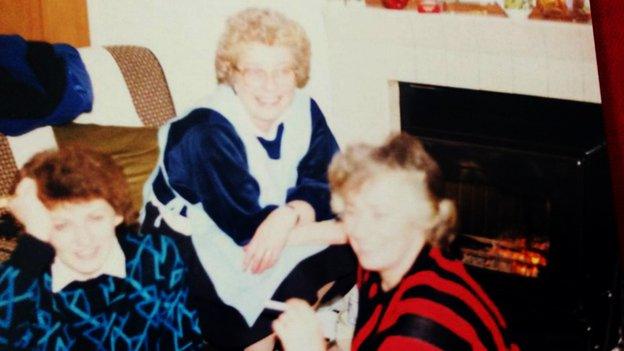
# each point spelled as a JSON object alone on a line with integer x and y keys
{"x": 411, "y": 295}
{"x": 242, "y": 175}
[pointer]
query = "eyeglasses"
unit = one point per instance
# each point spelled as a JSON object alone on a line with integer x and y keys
{"x": 258, "y": 77}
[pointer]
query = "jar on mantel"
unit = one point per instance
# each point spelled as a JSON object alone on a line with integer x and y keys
{"x": 577, "y": 5}
{"x": 394, "y": 4}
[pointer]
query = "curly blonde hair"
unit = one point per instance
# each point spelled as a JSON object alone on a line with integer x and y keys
{"x": 350, "y": 170}
{"x": 266, "y": 27}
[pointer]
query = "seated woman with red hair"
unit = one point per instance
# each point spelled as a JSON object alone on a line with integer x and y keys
{"x": 81, "y": 279}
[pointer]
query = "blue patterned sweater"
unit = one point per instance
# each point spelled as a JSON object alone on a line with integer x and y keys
{"x": 147, "y": 310}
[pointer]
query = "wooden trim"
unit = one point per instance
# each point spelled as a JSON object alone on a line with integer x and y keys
{"x": 21, "y": 17}
{"x": 47, "y": 20}
{"x": 65, "y": 21}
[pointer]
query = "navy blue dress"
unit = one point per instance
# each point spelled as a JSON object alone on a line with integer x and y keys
{"x": 206, "y": 162}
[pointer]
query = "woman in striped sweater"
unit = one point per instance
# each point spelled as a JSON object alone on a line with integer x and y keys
{"x": 412, "y": 297}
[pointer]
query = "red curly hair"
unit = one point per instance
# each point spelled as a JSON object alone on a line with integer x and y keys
{"x": 76, "y": 174}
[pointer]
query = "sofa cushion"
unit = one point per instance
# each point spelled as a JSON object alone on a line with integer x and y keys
{"x": 134, "y": 149}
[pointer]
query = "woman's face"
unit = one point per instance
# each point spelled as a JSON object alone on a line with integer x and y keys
{"x": 83, "y": 234}
{"x": 265, "y": 82}
{"x": 386, "y": 219}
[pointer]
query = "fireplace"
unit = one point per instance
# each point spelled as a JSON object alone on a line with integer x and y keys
{"x": 531, "y": 180}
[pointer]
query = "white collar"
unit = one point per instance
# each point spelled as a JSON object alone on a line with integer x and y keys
{"x": 275, "y": 177}
{"x": 271, "y": 134}
{"x": 115, "y": 266}
{"x": 225, "y": 101}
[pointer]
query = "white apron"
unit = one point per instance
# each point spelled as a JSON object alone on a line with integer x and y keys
{"x": 220, "y": 256}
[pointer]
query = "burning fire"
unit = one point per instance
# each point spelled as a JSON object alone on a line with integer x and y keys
{"x": 516, "y": 256}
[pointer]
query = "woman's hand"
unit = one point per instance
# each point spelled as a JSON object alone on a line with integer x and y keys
{"x": 298, "y": 328}
{"x": 30, "y": 211}
{"x": 269, "y": 240}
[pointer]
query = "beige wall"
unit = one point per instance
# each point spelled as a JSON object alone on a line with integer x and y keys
{"x": 359, "y": 53}
{"x": 184, "y": 34}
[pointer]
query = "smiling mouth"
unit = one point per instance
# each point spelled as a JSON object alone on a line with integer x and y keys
{"x": 87, "y": 254}
{"x": 268, "y": 101}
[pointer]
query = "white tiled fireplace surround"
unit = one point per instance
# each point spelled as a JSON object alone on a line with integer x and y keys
{"x": 371, "y": 49}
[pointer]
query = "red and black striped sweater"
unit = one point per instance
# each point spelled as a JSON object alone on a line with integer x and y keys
{"x": 436, "y": 306}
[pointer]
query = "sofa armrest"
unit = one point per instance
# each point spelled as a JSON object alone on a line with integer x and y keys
{"x": 129, "y": 87}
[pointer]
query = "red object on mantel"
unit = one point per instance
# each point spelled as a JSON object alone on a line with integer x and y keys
{"x": 395, "y": 4}
{"x": 429, "y": 6}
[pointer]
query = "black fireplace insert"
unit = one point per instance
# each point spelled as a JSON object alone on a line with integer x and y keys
{"x": 531, "y": 180}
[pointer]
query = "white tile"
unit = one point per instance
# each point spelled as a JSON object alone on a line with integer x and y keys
{"x": 391, "y": 62}
{"x": 530, "y": 75}
{"x": 591, "y": 82}
{"x": 357, "y": 101}
{"x": 343, "y": 28}
{"x": 565, "y": 80}
{"x": 462, "y": 34}
{"x": 400, "y": 62}
{"x": 527, "y": 40}
{"x": 378, "y": 27}
{"x": 431, "y": 66}
{"x": 586, "y": 44}
{"x": 462, "y": 69}
{"x": 349, "y": 57}
{"x": 364, "y": 113}
{"x": 562, "y": 43}
{"x": 370, "y": 47}
{"x": 495, "y": 36}
{"x": 346, "y": 28}
{"x": 429, "y": 32}
{"x": 396, "y": 28}
{"x": 394, "y": 107}
{"x": 496, "y": 72}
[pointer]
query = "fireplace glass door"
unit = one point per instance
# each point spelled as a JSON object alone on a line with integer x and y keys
{"x": 531, "y": 181}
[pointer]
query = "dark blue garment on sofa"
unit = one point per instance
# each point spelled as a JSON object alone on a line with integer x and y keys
{"x": 40, "y": 84}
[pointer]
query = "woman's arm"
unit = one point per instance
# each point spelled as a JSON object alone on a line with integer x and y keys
{"x": 267, "y": 244}
{"x": 279, "y": 230}
{"x": 329, "y": 232}
{"x": 311, "y": 186}
{"x": 26, "y": 207}
{"x": 206, "y": 163}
